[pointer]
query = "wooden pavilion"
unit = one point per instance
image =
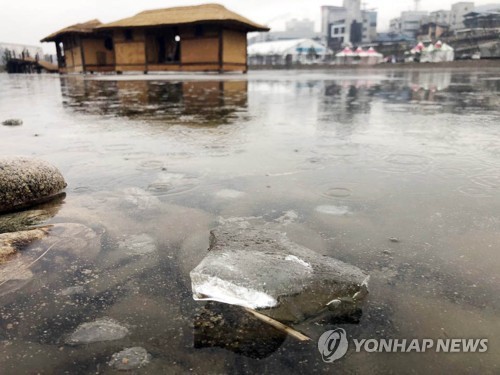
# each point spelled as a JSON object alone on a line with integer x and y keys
{"x": 205, "y": 37}
{"x": 81, "y": 48}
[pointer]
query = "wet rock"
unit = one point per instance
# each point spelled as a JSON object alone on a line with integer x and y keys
{"x": 11, "y": 243}
{"x": 231, "y": 328}
{"x": 140, "y": 244}
{"x": 287, "y": 218}
{"x": 25, "y": 182}
{"x": 73, "y": 240}
{"x": 18, "y": 221}
{"x": 12, "y": 122}
{"x": 130, "y": 359}
{"x": 262, "y": 269}
{"x": 13, "y": 278}
{"x": 104, "y": 329}
{"x": 69, "y": 240}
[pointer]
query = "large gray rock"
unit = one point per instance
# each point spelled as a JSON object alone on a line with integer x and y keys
{"x": 25, "y": 182}
{"x": 262, "y": 269}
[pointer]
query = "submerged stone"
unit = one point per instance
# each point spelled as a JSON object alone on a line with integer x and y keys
{"x": 22, "y": 220}
{"x": 139, "y": 244}
{"x": 231, "y": 328}
{"x": 262, "y": 269}
{"x": 73, "y": 290}
{"x": 333, "y": 210}
{"x": 24, "y": 249}
{"x": 12, "y": 122}
{"x": 104, "y": 329}
{"x": 10, "y": 243}
{"x": 25, "y": 182}
{"x": 130, "y": 359}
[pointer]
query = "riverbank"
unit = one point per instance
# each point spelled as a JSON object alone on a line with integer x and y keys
{"x": 460, "y": 64}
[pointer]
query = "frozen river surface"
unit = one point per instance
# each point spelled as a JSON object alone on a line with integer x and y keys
{"x": 397, "y": 173}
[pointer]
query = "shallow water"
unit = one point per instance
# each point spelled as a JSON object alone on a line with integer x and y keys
{"x": 342, "y": 162}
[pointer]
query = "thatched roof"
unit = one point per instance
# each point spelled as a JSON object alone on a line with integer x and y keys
{"x": 79, "y": 28}
{"x": 186, "y": 15}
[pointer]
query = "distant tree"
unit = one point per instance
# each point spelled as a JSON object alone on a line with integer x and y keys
{"x": 6, "y": 56}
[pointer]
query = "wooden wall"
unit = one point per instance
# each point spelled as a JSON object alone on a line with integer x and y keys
{"x": 203, "y": 48}
{"x": 73, "y": 54}
{"x": 130, "y": 55}
{"x": 92, "y": 47}
{"x": 234, "y": 50}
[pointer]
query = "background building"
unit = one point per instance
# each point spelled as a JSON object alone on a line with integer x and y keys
{"x": 441, "y": 17}
{"x": 458, "y": 11}
{"x": 408, "y": 23}
{"x": 431, "y": 31}
{"x": 347, "y": 24}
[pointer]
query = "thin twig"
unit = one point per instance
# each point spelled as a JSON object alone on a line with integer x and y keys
{"x": 36, "y": 260}
{"x": 278, "y": 325}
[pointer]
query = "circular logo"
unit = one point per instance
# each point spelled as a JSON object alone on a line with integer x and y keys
{"x": 333, "y": 345}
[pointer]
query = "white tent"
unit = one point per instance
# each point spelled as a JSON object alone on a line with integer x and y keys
{"x": 346, "y": 56}
{"x": 359, "y": 56}
{"x": 373, "y": 57}
{"x": 443, "y": 52}
{"x": 438, "y": 52}
{"x": 287, "y": 51}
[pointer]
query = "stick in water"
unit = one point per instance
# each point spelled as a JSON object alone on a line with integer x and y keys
{"x": 279, "y": 326}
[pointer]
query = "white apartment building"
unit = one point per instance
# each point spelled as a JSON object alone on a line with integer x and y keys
{"x": 408, "y": 23}
{"x": 347, "y": 24}
{"x": 441, "y": 17}
{"x": 458, "y": 10}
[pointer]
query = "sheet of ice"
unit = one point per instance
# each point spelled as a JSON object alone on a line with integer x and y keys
{"x": 229, "y": 194}
{"x": 263, "y": 269}
{"x": 333, "y": 210}
{"x": 210, "y": 288}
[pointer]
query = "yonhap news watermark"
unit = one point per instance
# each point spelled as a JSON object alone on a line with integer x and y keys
{"x": 334, "y": 344}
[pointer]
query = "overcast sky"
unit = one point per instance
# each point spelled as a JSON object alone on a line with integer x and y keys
{"x": 28, "y": 21}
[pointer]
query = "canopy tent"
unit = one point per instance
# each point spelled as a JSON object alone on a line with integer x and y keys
{"x": 359, "y": 56}
{"x": 373, "y": 57}
{"x": 360, "y": 52}
{"x": 287, "y": 51}
{"x": 345, "y": 52}
{"x": 438, "y": 52}
{"x": 443, "y": 52}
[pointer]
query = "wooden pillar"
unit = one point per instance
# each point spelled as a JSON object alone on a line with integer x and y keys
{"x": 59, "y": 55}
{"x": 72, "y": 55}
{"x": 113, "y": 35}
{"x": 246, "y": 54}
{"x": 84, "y": 68}
{"x": 221, "y": 50}
{"x": 145, "y": 36}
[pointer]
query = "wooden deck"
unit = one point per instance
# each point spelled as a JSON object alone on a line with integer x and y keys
{"x": 30, "y": 65}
